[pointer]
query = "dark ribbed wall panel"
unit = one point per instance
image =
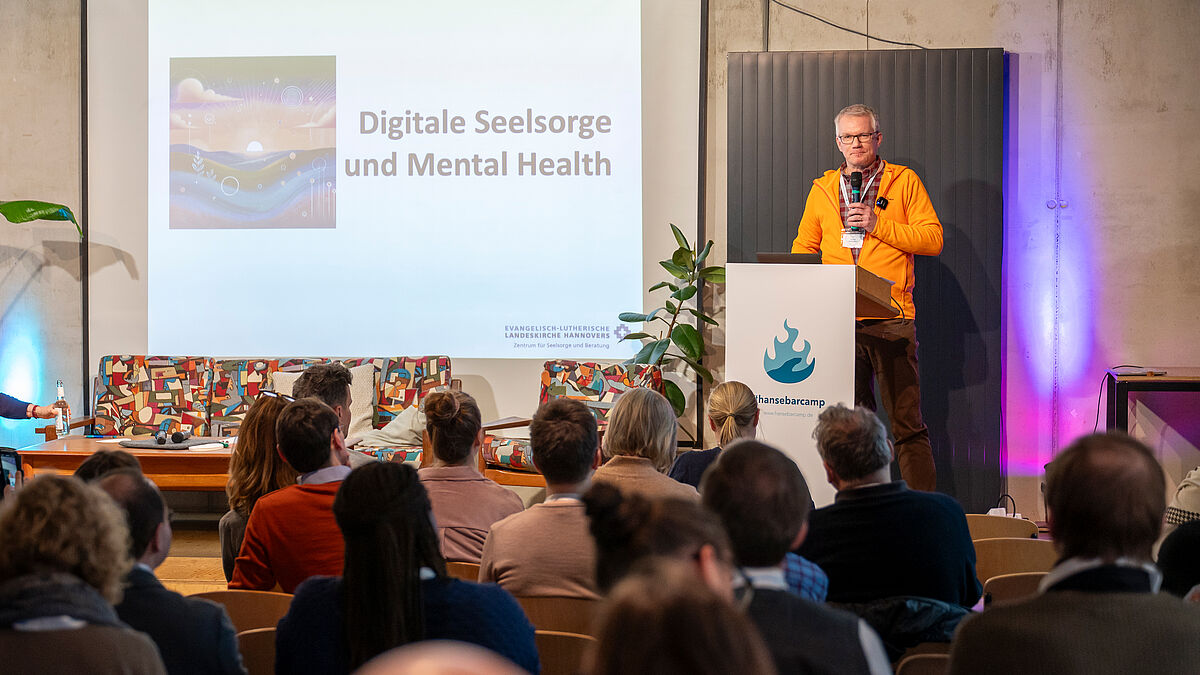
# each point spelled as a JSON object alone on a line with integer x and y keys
{"x": 941, "y": 112}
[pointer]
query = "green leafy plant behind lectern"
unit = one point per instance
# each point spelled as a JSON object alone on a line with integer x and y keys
{"x": 677, "y": 341}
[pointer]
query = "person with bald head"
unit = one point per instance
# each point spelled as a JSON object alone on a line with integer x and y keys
{"x": 1099, "y": 609}
{"x": 193, "y": 635}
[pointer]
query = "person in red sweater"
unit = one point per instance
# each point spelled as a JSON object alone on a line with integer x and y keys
{"x": 292, "y": 534}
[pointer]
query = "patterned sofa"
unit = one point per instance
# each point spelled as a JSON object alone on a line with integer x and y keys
{"x": 139, "y": 395}
{"x": 596, "y": 385}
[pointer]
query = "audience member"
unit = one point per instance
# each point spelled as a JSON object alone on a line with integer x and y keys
{"x": 465, "y": 504}
{"x": 875, "y": 524}
{"x": 631, "y": 527}
{"x": 440, "y": 657}
{"x": 732, "y": 414}
{"x": 1184, "y": 506}
{"x": 763, "y": 502}
{"x": 193, "y": 635}
{"x": 1179, "y": 559}
{"x": 329, "y": 382}
{"x": 395, "y": 589}
{"x": 291, "y": 534}
{"x": 64, "y": 556}
{"x": 101, "y": 462}
{"x": 640, "y": 444}
{"x": 659, "y": 620}
{"x": 255, "y": 469}
{"x": 547, "y": 550}
{"x": 1098, "y": 611}
{"x": 333, "y": 384}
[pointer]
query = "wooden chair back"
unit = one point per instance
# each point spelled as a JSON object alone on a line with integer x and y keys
{"x": 562, "y": 653}
{"x": 1008, "y": 555}
{"x": 567, "y": 615}
{"x": 250, "y": 609}
{"x": 1011, "y": 587}
{"x": 924, "y": 664}
{"x": 982, "y": 526}
{"x": 465, "y": 571}
{"x": 258, "y": 650}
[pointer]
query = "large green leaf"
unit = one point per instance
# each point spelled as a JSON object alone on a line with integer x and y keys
{"x": 682, "y": 257}
{"x": 25, "y": 210}
{"x": 675, "y": 395}
{"x": 704, "y": 253}
{"x": 700, "y": 370}
{"x": 703, "y": 317}
{"x": 676, "y": 271}
{"x": 685, "y": 293}
{"x": 659, "y": 348}
{"x": 679, "y": 238}
{"x": 655, "y": 287}
{"x": 688, "y": 340}
{"x": 637, "y": 336}
{"x": 643, "y": 355}
{"x": 715, "y": 274}
{"x": 632, "y": 317}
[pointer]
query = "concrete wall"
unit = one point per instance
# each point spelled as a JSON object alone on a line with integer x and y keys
{"x": 1104, "y": 277}
{"x": 40, "y": 335}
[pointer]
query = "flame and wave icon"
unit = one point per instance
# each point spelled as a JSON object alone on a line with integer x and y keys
{"x": 788, "y": 366}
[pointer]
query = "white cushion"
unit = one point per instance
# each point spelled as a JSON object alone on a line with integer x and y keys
{"x": 362, "y": 395}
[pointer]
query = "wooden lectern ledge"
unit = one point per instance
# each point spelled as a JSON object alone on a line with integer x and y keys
{"x": 873, "y": 295}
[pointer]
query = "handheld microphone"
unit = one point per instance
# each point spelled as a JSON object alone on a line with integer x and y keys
{"x": 856, "y": 187}
{"x": 160, "y": 437}
{"x": 180, "y": 436}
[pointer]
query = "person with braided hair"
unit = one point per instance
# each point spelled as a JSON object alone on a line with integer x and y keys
{"x": 732, "y": 414}
{"x": 465, "y": 504}
{"x": 394, "y": 589}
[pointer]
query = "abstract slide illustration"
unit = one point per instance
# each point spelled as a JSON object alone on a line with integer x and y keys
{"x": 253, "y": 142}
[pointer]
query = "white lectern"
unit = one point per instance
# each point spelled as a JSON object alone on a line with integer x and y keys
{"x": 790, "y": 337}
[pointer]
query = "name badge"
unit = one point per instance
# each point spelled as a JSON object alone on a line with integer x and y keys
{"x": 853, "y": 237}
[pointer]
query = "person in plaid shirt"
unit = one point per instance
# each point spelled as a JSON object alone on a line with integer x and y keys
{"x": 892, "y": 221}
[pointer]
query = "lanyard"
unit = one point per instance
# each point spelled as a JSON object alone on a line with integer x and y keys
{"x": 865, "y": 188}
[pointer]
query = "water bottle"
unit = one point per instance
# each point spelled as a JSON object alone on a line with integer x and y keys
{"x": 62, "y": 413}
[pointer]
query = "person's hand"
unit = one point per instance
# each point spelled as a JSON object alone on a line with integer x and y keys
{"x": 861, "y": 215}
{"x": 10, "y": 490}
{"x": 44, "y": 412}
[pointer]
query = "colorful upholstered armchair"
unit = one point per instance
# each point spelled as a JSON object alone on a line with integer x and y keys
{"x": 598, "y": 387}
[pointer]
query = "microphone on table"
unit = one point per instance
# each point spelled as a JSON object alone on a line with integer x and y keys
{"x": 856, "y": 187}
{"x": 160, "y": 437}
{"x": 180, "y": 436}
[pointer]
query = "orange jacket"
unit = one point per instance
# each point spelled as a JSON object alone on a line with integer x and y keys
{"x": 907, "y": 227}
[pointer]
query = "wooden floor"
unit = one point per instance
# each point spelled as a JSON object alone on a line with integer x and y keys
{"x": 194, "y": 565}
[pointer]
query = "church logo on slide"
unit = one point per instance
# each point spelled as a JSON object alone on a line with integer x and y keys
{"x": 253, "y": 142}
{"x": 789, "y": 366}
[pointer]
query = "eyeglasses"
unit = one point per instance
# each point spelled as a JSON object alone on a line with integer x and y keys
{"x": 275, "y": 394}
{"x": 848, "y": 139}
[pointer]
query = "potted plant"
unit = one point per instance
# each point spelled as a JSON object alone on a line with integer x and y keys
{"x": 670, "y": 341}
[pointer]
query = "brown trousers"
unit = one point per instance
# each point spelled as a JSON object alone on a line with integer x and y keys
{"x": 886, "y": 353}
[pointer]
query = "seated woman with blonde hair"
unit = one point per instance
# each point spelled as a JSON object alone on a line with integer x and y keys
{"x": 732, "y": 414}
{"x": 465, "y": 504}
{"x": 255, "y": 469}
{"x": 62, "y": 563}
{"x": 640, "y": 445}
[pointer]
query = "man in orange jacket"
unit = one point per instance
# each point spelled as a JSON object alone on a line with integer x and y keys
{"x": 891, "y": 222}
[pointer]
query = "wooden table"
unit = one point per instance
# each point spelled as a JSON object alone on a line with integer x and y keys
{"x": 169, "y": 469}
{"x": 1119, "y": 384}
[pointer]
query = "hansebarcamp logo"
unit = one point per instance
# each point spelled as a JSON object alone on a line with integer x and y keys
{"x": 788, "y": 365}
